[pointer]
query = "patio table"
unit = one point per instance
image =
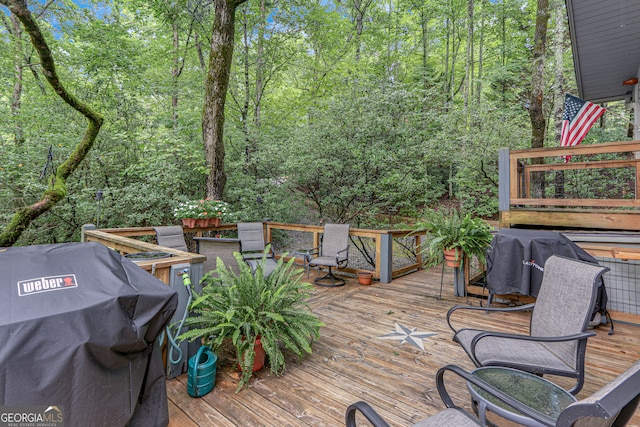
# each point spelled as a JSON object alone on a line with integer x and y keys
{"x": 305, "y": 254}
{"x": 534, "y": 391}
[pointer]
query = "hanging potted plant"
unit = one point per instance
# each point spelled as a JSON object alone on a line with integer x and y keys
{"x": 244, "y": 309}
{"x": 453, "y": 235}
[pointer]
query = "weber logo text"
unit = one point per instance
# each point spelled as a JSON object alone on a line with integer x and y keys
{"x": 46, "y": 284}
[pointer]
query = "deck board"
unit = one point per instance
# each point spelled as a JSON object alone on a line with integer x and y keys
{"x": 350, "y": 362}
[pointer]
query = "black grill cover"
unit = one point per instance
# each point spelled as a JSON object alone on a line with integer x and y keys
{"x": 515, "y": 260}
{"x": 77, "y": 324}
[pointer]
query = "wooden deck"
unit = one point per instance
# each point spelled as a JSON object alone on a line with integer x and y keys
{"x": 350, "y": 362}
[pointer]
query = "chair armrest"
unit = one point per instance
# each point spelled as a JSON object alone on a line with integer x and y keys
{"x": 572, "y": 337}
{"x": 306, "y": 253}
{"x": 487, "y": 309}
{"x": 519, "y": 406}
{"x": 269, "y": 246}
{"x": 340, "y": 259}
{"x": 369, "y": 413}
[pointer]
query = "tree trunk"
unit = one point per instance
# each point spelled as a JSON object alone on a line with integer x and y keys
{"x": 446, "y": 80}
{"x": 216, "y": 85}
{"x": 175, "y": 73}
{"x": 23, "y": 217}
{"x": 360, "y": 8}
{"x": 536, "y": 111}
{"x": 244, "y": 108}
{"x": 478, "y": 94}
{"x": 503, "y": 49}
{"x": 16, "y": 97}
{"x": 538, "y": 122}
{"x": 469, "y": 69}
{"x": 198, "y": 46}
{"x": 558, "y": 48}
{"x": 424, "y": 25}
{"x": 260, "y": 63}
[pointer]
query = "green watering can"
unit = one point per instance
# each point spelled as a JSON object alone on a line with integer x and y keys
{"x": 201, "y": 372}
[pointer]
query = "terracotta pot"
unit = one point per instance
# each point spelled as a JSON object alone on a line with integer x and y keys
{"x": 202, "y": 222}
{"x": 453, "y": 257}
{"x": 365, "y": 277}
{"x": 214, "y": 222}
{"x": 189, "y": 222}
{"x": 260, "y": 357}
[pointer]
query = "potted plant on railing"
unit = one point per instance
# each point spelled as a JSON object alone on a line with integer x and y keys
{"x": 246, "y": 308}
{"x": 453, "y": 235}
{"x": 201, "y": 213}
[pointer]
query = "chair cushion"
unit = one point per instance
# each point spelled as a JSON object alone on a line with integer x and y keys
{"x": 329, "y": 261}
{"x": 512, "y": 352}
{"x": 449, "y": 417}
{"x": 254, "y": 255}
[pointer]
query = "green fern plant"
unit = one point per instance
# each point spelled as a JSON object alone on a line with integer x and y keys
{"x": 448, "y": 229}
{"x": 240, "y": 307}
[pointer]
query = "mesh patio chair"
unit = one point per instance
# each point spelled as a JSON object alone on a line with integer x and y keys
{"x": 557, "y": 339}
{"x": 332, "y": 253}
{"x": 453, "y": 415}
{"x": 171, "y": 236}
{"x": 253, "y": 247}
{"x": 612, "y": 405}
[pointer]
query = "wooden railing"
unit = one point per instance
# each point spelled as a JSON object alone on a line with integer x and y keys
{"x": 121, "y": 241}
{"x": 384, "y": 270}
{"x": 125, "y": 240}
{"x": 533, "y": 184}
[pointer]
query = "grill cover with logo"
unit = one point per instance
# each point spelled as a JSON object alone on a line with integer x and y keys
{"x": 515, "y": 260}
{"x": 77, "y": 325}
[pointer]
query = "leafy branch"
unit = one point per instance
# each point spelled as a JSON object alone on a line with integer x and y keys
{"x": 24, "y": 216}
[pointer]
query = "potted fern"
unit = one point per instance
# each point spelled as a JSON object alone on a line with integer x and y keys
{"x": 450, "y": 232}
{"x": 246, "y": 308}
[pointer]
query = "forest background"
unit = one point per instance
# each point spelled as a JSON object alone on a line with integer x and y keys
{"x": 358, "y": 111}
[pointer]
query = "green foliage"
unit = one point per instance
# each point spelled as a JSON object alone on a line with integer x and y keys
{"x": 361, "y": 154}
{"x": 324, "y": 120}
{"x": 449, "y": 229}
{"x": 240, "y": 307}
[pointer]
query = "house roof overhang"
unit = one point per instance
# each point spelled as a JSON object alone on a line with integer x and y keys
{"x": 605, "y": 39}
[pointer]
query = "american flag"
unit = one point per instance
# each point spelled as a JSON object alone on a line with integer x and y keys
{"x": 579, "y": 116}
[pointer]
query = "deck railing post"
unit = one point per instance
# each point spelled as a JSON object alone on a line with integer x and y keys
{"x": 386, "y": 257}
{"x": 86, "y": 227}
{"x": 503, "y": 183}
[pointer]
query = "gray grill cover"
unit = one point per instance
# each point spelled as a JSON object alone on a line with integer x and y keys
{"x": 515, "y": 260}
{"x": 77, "y": 327}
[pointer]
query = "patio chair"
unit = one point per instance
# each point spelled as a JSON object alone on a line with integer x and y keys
{"x": 333, "y": 252}
{"x": 253, "y": 247}
{"x": 557, "y": 339}
{"x": 171, "y": 236}
{"x": 612, "y": 405}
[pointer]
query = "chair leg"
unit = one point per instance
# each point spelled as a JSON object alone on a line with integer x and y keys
{"x": 334, "y": 281}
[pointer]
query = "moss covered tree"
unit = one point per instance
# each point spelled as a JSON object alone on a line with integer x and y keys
{"x": 58, "y": 188}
